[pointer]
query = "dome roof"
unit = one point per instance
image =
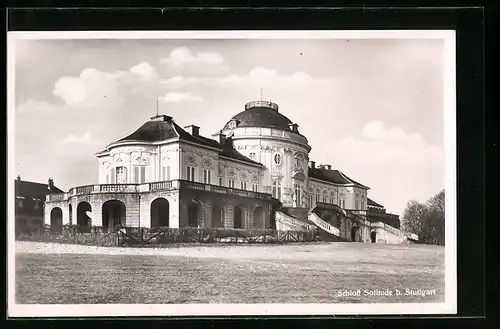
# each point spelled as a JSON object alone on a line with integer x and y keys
{"x": 260, "y": 114}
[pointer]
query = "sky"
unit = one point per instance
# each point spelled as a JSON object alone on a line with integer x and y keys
{"x": 371, "y": 108}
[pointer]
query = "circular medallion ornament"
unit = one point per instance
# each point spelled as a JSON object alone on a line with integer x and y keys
{"x": 231, "y": 173}
{"x": 255, "y": 178}
{"x": 243, "y": 176}
{"x": 190, "y": 159}
{"x": 253, "y": 156}
{"x": 206, "y": 163}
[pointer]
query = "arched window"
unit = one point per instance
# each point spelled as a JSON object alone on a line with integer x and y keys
{"x": 317, "y": 195}
{"x": 277, "y": 190}
{"x": 325, "y": 196}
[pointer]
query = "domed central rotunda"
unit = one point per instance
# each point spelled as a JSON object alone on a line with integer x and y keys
{"x": 254, "y": 173}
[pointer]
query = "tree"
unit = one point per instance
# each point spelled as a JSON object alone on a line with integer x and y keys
{"x": 426, "y": 220}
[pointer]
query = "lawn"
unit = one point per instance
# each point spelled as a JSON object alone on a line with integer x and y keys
{"x": 308, "y": 273}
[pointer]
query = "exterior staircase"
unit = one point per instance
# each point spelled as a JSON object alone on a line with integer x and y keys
{"x": 297, "y": 213}
{"x": 325, "y": 232}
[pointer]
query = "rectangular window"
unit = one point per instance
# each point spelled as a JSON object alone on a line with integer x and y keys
{"x": 231, "y": 183}
{"x": 190, "y": 173}
{"x": 331, "y": 200}
{"x": 255, "y": 187}
{"x": 243, "y": 185}
{"x": 36, "y": 203}
{"x": 297, "y": 193}
{"x": 143, "y": 175}
{"x": 207, "y": 179}
{"x": 343, "y": 203}
{"x": 317, "y": 197}
{"x": 165, "y": 173}
{"x": 113, "y": 176}
{"x": 362, "y": 205}
{"x": 324, "y": 199}
{"x": 136, "y": 175}
{"x": 310, "y": 200}
{"x": 107, "y": 179}
{"x": 139, "y": 175}
{"x": 121, "y": 175}
{"x": 220, "y": 181}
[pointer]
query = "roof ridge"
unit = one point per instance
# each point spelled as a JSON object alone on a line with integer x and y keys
{"x": 174, "y": 126}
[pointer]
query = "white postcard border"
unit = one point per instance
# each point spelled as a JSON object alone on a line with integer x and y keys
{"x": 98, "y": 310}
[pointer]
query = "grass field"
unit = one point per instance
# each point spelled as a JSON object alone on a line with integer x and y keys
{"x": 307, "y": 273}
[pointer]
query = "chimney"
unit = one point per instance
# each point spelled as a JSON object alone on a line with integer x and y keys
{"x": 18, "y": 177}
{"x": 328, "y": 167}
{"x": 193, "y": 130}
{"x": 220, "y": 137}
{"x": 51, "y": 184}
{"x": 312, "y": 164}
{"x": 321, "y": 166}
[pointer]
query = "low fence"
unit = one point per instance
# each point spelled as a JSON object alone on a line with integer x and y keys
{"x": 143, "y": 237}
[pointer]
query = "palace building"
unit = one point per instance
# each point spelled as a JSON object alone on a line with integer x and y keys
{"x": 254, "y": 173}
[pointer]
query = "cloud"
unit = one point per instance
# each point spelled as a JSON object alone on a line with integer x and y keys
{"x": 95, "y": 88}
{"x": 183, "y": 56}
{"x": 84, "y": 139}
{"x": 143, "y": 69}
{"x": 175, "y": 97}
{"x": 408, "y": 163}
{"x": 31, "y": 106}
{"x": 256, "y": 78}
{"x": 91, "y": 88}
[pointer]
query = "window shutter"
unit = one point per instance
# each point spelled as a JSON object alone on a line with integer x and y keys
{"x": 125, "y": 180}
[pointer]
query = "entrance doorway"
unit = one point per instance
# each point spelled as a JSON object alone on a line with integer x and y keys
{"x": 373, "y": 237}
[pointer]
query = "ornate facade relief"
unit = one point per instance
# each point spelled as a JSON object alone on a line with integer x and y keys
{"x": 190, "y": 159}
{"x": 207, "y": 163}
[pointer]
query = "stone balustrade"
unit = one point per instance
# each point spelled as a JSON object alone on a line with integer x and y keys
{"x": 324, "y": 225}
{"x": 154, "y": 187}
{"x": 266, "y": 104}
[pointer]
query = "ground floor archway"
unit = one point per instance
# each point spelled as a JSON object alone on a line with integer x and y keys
{"x": 83, "y": 220}
{"x": 258, "y": 217}
{"x": 238, "y": 217}
{"x": 354, "y": 233}
{"x": 160, "y": 212}
{"x": 113, "y": 214}
{"x": 217, "y": 215}
{"x": 193, "y": 215}
{"x": 373, "y": 236}
{"x": 56, "y": 222}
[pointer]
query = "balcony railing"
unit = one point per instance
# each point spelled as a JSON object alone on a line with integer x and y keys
{"x": 154, "y": 187}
